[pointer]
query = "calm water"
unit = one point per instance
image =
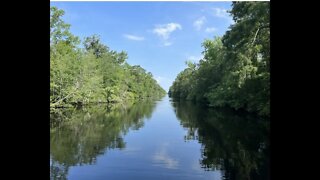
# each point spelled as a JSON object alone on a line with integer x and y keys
{"x": 158, "y": 140}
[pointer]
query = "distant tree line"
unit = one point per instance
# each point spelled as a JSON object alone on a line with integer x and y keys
{"x": 93, "y": 73}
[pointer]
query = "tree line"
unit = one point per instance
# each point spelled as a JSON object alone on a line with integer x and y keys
{"x": 235, "y": 68}
{"x": 94, "y": 73}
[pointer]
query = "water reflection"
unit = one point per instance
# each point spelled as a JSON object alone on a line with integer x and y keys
{"x": 235, "y": 143}
{"x": 232, "y": 144}
{"x": 162, "y": 158}
{"x": 78, "y": 136}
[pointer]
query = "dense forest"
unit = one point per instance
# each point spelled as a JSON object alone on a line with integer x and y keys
{"x": 235, "y": 68}
{"x": 93, "y": 73}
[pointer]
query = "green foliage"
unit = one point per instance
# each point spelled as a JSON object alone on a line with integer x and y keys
{"x": 59, "y": 31}
{"x": 93, "y": 44}
{"x": 235, "y": 70}
{"x": 93, "y": 74}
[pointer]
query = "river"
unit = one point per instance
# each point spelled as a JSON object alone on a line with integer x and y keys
{"x": 161, "y": 139}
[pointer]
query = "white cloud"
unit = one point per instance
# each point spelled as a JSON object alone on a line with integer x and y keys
{"x": 199, "y": 23}
{"x": 134, "y": 38}
{"x": 222, "y": 13}
{"x": 219, "y": 12}
{"x": 210, "y": 29}
{"x": 164, "y": 31}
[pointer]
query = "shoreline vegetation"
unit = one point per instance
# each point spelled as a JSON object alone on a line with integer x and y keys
{"x": 234, "y": 71}
{"x": 235, "y": 68}
{"x": 93, "y": 74}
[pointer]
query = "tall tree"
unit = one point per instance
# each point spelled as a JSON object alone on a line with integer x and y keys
{"x": 59, "y": 30}
{"x": 93, "y": 44}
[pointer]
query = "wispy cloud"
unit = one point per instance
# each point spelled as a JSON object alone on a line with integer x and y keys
{"x": 219, "y": 12}
{"x": 210, "y": 29}
{"x": 222, "y": 13}
{"x": 134, "y": 38}
{"x": 199, "y": 23}
{"x": 164, "y": 31}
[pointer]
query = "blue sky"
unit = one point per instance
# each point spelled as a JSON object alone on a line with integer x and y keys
{"x": 158, "y": 36}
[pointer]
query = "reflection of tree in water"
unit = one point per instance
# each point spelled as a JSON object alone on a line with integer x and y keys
{"x": 58, "y": 171}
{"x": 236, "y": 143}
{"x": 78, "y": 136}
